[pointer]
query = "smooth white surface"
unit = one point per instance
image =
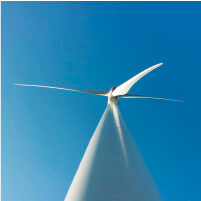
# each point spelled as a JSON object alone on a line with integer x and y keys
{"x": 112, "y": 168}
{"x": 141, "y": 96}
{"x": 95, "y": 92}
{"x": 125, "y": 87}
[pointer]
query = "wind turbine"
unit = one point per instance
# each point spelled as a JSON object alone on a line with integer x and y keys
{"x": 112, "y": 169}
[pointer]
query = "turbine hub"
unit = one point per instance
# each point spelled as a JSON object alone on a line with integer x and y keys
{"x": 111, "y": 98}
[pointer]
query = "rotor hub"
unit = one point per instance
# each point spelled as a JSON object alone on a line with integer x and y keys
{"x": 111, "y": 98}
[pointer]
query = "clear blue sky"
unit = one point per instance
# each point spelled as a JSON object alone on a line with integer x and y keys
{"x": 96, "y": 45}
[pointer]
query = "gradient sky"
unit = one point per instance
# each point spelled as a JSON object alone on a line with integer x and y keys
{"x": 97, "y": 45}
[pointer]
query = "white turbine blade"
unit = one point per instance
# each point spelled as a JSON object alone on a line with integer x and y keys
{"x": 102, "y": 93}
{"x": 125, "y": 87}
{"x": 140, "y": 96}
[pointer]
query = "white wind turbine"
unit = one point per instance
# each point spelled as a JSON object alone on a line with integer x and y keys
{"x": 112, "y": 168}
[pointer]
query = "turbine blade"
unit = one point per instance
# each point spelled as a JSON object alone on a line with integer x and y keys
{"x": 125, "y": 87}
{"x": 141, "y": 96}
{"x": 102, "y": 93}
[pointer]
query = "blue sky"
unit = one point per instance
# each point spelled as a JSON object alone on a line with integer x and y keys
{"x": 97, "y": 45}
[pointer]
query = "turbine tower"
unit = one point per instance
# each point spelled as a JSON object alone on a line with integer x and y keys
{"x": 112, "y": 168}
